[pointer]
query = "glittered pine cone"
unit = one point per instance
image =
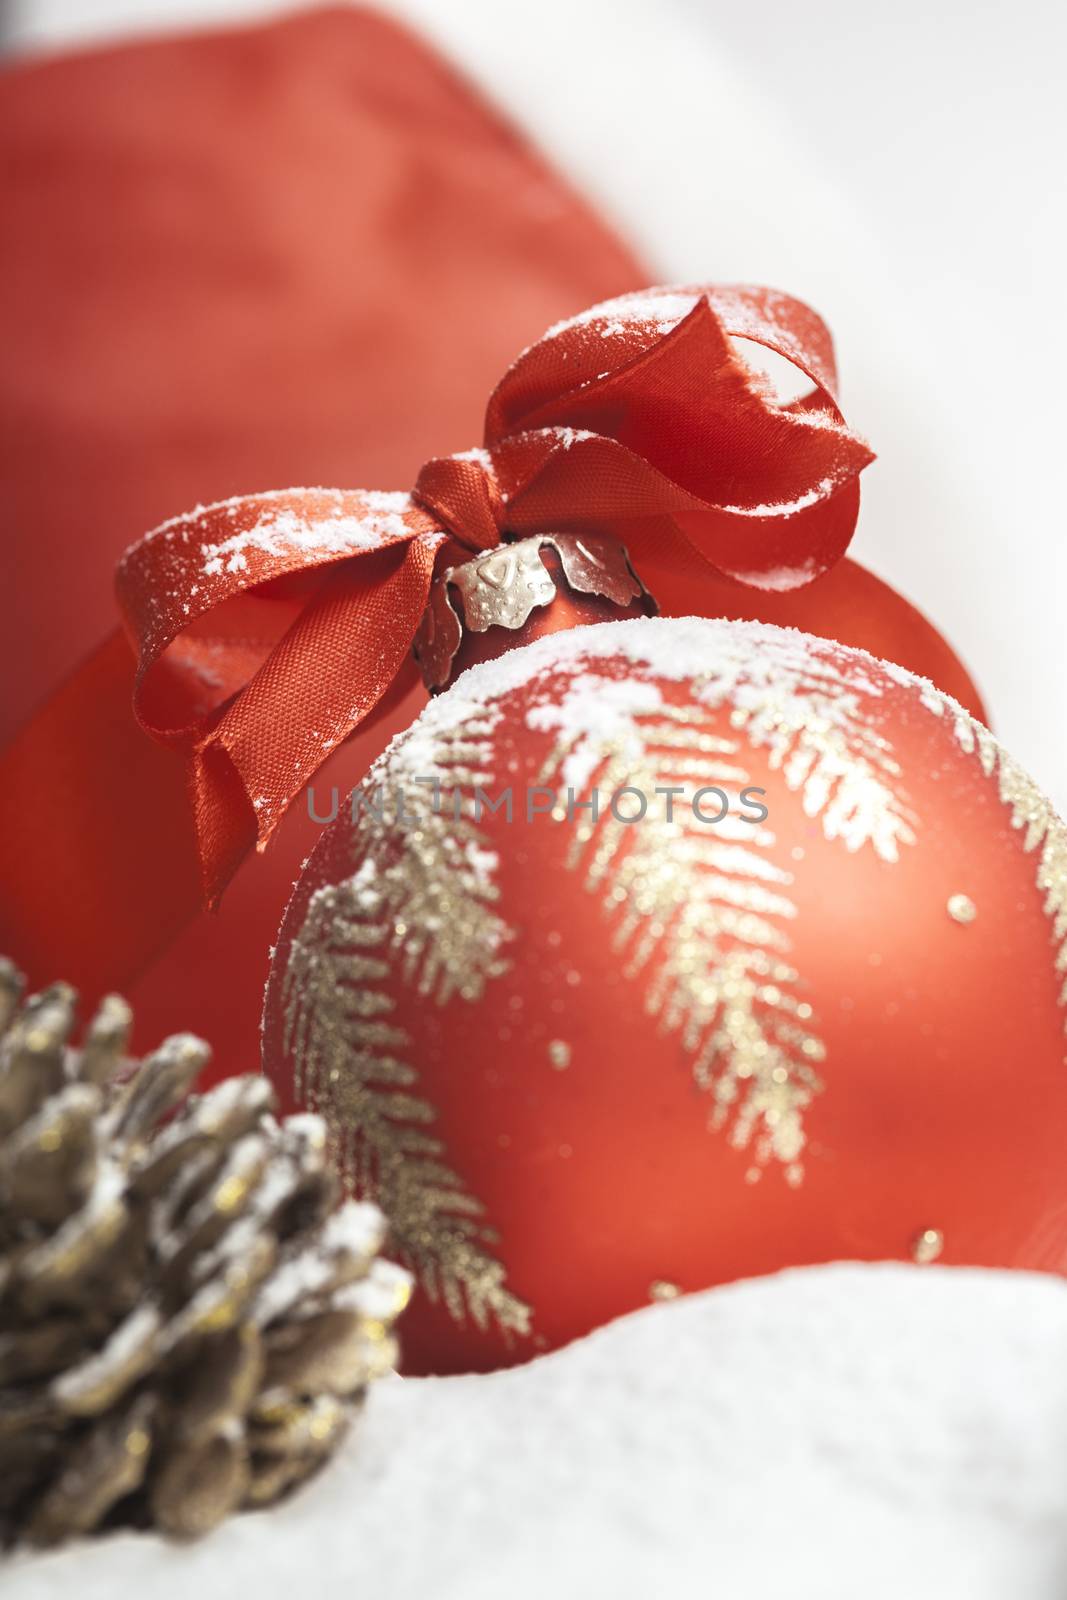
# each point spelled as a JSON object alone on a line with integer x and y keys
{"x": 187, "y": 1323}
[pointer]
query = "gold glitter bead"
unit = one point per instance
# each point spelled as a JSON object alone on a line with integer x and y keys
{"x": 928, "y": 1246}
{"x": 660, "y": 1289}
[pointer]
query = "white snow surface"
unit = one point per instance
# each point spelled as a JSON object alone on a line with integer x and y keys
{"x": 834, "y": 1432}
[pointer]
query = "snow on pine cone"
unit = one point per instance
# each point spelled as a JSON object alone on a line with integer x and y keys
{"x": 187, "y": 1323}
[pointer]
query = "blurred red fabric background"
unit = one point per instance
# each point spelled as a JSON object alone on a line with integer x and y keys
{"x": 295, "y": 254}
{"x": 302, "y": 253}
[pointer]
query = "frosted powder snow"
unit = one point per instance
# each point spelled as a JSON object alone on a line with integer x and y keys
{"x": 355, "y": 1231}
{"x": 838, "y": 1431}
{"x": 139, "y": 1331}
{"x": 342, "y": 521}
{"x": 661, "y": 309}
{"x": 801, "y": 697}
{"x": 592, "y": 715}
{"x": 733, "y": 658}
{"x": 337, "y": 532}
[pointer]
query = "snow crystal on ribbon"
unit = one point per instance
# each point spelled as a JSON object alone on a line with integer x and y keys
{"x": 750, "y": 320}
{"x": 630, "y": 311}
{"x": 747, "y": 321}
{"x": 335, "y": 532}
{"x": 567, "y": 437}
{"x": 788, "y": 508}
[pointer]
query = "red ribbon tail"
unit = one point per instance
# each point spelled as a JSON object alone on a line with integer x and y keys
{"x": 98, "y": 856}
{"x": 321, "y": 681}
{"x": 224, "y": 818}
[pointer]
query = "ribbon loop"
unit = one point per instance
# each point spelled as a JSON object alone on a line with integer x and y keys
{"x": 268, "y": 627}
{"x": 462, "y": 494}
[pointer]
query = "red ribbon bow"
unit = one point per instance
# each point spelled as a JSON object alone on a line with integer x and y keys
{"x": 637, "y": 418}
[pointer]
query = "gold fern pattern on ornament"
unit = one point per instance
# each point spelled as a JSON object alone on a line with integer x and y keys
{"x": 705, "y": 917}
{"x": 1032, "y": 814}
{"x": 426, "y": 905}
{"x": 702, "y": 918}
{"x": 814, "y": 722}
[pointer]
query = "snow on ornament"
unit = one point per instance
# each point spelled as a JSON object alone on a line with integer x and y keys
{"x": 670, "y": 952}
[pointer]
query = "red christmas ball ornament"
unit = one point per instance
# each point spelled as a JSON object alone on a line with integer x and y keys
{"x": 667, "y": 952}
{"x": 272, "y": 631}
{"x": 848, "y": 604}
